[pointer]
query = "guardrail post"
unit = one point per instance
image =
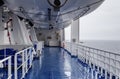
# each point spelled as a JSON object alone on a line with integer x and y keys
{"x": 26, "y": 60}
{"x": 9, "y": 68}
{"x": 30, "y": 53}
{"x": 23, "y": 67}
{"x": 15, "y": 67}
{"x": 102, "y": 72}
{"x": 106, "y": 76}
{"x": 33, "y": 53}
{"x": 110, "y": 75}
{"x": 92, "y": 73}
{"x": 96, "y": 75}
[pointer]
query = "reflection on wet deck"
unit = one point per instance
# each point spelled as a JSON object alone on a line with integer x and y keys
{"x": 56, "y": 63}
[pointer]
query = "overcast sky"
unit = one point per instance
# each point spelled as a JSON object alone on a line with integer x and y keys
{"x": 103, "y": 23}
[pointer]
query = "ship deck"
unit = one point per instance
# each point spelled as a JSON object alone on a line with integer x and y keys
{"x": 57, "y": 63}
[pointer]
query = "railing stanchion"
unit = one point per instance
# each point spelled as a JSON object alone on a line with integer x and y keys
{"x": 23, "y": 67}
{"x": 106, "y": 76}
{"x": 9, "y": 68}
{"x": 15, "y": 67}
{"x": 26, "y": 59}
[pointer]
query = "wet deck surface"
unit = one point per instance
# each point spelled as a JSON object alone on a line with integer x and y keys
{"x": 56, "y": 63}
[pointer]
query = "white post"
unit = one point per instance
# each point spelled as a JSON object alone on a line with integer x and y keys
{"x": 62, "y": 36}
{"x": 106, "y": 77}
{"x": 96, "y": 74}
{"x": 9, "y": 68}
{"x": 33, "y": 52}
{"x": 26, "y": 56}
{"x": 23, "y": 67}
{"x": 110, "y": 75}
{"x": 75, "y": 31}
{"x": 92, "y": 73}
{"x": 30, "y": 53}
{"x": 15, "y": 67}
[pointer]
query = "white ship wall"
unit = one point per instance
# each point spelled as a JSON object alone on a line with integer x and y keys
{"x": 50, "y": 37}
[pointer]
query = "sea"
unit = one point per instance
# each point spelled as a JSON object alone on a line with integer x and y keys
{"x": 107, "y": 45}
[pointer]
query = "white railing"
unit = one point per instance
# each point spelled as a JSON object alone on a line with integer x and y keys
{"x": 108, "y": 61}
{"x": 38, "y": 48}
{"x": 26, "y": 57}
{"x": 71, "y": 47}
{"x": 9, "y": 66}
{"x": 40, "y": 45}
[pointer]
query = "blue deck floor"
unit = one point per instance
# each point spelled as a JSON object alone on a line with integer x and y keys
{"x": 56, "y": 63}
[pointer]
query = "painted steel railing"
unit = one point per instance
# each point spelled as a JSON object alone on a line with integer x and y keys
{"x": 38, "y": 48}
{"x": 40, "y": 45}
{"x": 26, "y": 57}
{"x": 103, "y": 60}
{"x": 9, "y": 66}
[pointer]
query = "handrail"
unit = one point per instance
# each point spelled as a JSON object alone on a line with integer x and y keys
{"x": 106, "y": 60}
{"x": 9, "y": 66}
{"x": 99, "y": 49}
{"x": 96, "y": 49}
{"x": 26, "y": 63}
